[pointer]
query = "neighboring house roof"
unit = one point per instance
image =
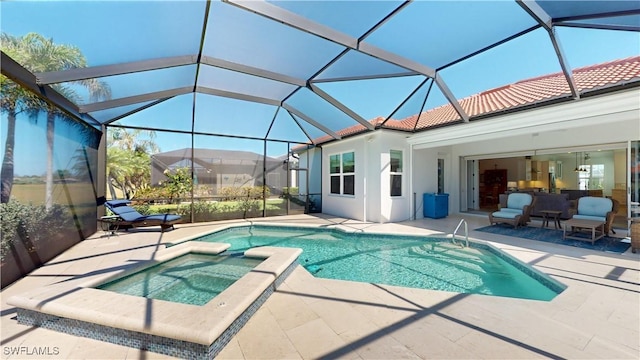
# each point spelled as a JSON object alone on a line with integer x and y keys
{"x": 520, "y": 95}
{"x": 210, "y": 156}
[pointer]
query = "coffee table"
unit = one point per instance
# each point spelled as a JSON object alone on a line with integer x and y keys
{"x": 577, "y": 225}
{"x": 553, "y": 214}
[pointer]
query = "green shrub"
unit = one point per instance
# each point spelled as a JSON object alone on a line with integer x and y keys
{"x": 30, "y": 224}
{"x": 179, "y": 183}
{"x": 248, "y": 205}
{"x": 229, "y": 193}
{"x": 290, "y": 191}
{"x": 205, "y": 211}
{"x": 152, "y": 193}
{"x": 239, "y": 193}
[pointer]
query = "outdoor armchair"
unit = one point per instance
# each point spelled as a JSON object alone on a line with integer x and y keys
{"x": 597, "y": 208}
{"x": 516, "y": 212}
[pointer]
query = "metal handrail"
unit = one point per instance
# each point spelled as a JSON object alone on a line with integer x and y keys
{"x": 466, "y": 232}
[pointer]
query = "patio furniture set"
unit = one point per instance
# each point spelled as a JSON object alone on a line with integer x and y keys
{"x": 592, "y": 215}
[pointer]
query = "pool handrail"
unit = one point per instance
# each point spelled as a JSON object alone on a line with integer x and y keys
{"x": 466, "y": 232}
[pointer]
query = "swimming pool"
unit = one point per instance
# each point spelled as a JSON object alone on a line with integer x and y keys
{"x": 189, "y": 279}
{"x": 409, "y": 261}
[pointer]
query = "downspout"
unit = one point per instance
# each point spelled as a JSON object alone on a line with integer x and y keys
{"x": 366, "y": 167}
{"x": 412, "y": 207}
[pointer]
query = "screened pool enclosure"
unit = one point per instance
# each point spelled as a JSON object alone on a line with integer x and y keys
{"x": 97, "y": 94}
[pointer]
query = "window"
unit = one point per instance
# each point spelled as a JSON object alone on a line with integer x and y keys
{"x": 592, "y": 178}
{"x": 342, "y": 173}
{"x": 396, "y": 172}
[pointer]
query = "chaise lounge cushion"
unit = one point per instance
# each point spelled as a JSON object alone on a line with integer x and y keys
{"x": 130, "y": 216}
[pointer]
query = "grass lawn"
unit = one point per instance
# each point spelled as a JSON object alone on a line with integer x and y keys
{"x": 77, "y": 194}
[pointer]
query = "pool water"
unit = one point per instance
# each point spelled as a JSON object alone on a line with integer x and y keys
{"x": 189, "y": 279}
{"x": 408, "y": 261}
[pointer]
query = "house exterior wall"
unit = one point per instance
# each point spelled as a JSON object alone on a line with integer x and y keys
{"x": 587, "y": 123}
{"x": 425, "y": 175}
{"x": 372, "y": 200}
{"x": 349, "y": 206}
{"x": 392, "y": 208}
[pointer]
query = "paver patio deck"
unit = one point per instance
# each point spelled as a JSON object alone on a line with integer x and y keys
{"x": 597, "y": 316}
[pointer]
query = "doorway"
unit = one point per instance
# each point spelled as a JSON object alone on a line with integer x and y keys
{"x": 297, "y": 196}
{"x": 596, "y": 170}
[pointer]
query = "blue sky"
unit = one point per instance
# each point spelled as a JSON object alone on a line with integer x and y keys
{"x": 529, "y": 56}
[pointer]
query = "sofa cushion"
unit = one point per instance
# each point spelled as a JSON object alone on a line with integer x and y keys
{"x": 590, "y": 217}
{"x": 555, "y": 202}
{"x": 507, "y": 214}
{"x": 594, "y": 206}
{"x": 518, "y": 201}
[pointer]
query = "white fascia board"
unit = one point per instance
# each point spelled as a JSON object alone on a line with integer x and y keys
{"x": 358, "y": 138}
{"x": 368, "y": 136}
{"x": 619, "y": 106}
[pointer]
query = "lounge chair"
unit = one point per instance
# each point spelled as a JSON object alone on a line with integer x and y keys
{"x": 128, "y": 216}
{"x": 597, "y": 208}
{"x": 516, "y": 212}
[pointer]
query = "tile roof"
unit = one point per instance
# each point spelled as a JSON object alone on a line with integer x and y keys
{"x": 513, "y": 96}
{"x": 526, "y": 92}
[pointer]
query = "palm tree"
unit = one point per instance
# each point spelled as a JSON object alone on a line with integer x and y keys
{"x": 128, "y": 159}
{"x": 39, "y": 54}
{"x": 14, "y": 100}
{"x": 119, "y": 167}
{"x": 132, "y": 140}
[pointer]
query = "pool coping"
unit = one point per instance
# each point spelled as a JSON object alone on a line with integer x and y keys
{"x": 163, "y": 320}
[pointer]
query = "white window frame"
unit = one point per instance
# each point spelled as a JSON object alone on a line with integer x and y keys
{"x": 341, "y": 174}
{"x": 396, "y": 173}
{"x": 586, "y": 177}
